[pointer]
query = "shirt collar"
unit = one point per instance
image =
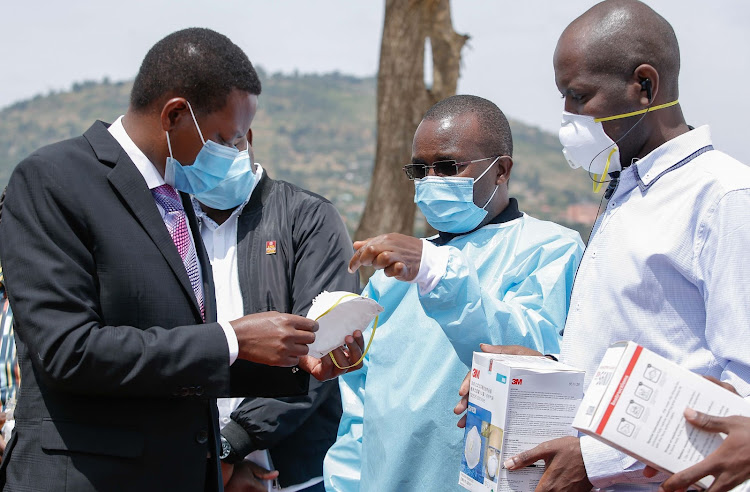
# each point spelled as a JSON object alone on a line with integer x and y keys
{"x": 203, "y": 217}
{"x": 671, "y": 155}
{"x": 144, "y": 165}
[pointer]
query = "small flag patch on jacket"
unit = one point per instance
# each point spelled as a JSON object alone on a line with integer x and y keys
{"x": 270, "y": 247}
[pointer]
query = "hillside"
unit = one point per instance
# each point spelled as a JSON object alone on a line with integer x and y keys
{"x": 317, "y": 131}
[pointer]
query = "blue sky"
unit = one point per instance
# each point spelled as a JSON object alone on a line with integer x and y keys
{"x": 48, "y": 45}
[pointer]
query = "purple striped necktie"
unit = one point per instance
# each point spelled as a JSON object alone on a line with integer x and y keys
{"x": 176, "y": 221}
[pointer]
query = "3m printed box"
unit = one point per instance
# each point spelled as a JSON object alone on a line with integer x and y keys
{"x": 635, "y": 403}
{"x": 515, "y": 403}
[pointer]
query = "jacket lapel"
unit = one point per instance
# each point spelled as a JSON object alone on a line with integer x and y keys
{"x": 131, "y": 186}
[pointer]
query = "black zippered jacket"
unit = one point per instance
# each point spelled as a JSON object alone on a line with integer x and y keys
{"x": 311, "y": 253}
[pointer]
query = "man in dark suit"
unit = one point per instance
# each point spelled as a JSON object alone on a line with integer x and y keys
{"x": 121, "y": 355}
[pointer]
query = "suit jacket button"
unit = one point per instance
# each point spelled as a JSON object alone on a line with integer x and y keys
{"x": 184, "y": 392}
{"x": 201, "y": 437}
{"x": 198, "y": 390}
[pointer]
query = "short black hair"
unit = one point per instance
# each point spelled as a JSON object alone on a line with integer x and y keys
{"x": 198, "y": 64}
{"x": 498, "y": 138}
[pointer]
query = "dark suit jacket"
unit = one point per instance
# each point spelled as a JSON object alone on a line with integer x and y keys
{"x": 119, "y": 373}
{"x": 312, "y": 253}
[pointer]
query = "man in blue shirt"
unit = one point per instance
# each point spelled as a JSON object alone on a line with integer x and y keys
{"x": 493, "y": 275}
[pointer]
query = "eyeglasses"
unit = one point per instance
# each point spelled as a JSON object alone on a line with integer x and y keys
{"x": 441, "y": 168}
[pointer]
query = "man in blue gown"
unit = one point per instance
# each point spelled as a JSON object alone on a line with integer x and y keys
{"x": 492, "y": 275}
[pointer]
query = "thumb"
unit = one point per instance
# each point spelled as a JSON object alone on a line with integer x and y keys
{"x": 524, "y": 459}
{"x": 706, "y": 422}
{"x": 492, "y": 349}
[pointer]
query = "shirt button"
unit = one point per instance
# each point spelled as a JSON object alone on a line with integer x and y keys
{"x": 612, "y": 204}
{"x": 225, "y": 420}
{"x": 201, "y": 437}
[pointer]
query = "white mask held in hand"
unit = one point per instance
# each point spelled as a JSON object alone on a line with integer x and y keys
{"x": 339, "y": 314}
{"x": 473, "y": 447}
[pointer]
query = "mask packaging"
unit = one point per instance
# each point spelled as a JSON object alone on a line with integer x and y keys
{"x": 339, "y": 314}
{"x": 635, "y": 402}
{"x": 515, "y": 403}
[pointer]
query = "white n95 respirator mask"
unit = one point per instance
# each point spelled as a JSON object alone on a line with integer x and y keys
{"x": 587, "y": 145}
{"x": 473, "y": 447}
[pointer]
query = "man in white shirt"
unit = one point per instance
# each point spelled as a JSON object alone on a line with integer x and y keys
{"x": 665, "y": 265}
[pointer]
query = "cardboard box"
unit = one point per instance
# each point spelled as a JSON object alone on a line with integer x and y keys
{"x": 515, "y": 403}
{"x": 636, "y": 401}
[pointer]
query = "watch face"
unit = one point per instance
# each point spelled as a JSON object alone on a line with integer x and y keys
{"x": 225, "y": 448}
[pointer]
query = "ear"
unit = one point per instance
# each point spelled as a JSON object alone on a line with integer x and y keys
{"x": 173, "y": 112}
{"x": 504, "y": 166}
{"x": 641, "y": 74}
{"x": 250, "y": 137}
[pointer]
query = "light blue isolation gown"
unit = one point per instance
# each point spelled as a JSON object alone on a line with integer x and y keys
{"x": 506, "y": 283}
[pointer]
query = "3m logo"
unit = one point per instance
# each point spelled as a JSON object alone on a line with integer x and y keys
{"x": 475, "y": 373}
{"x": 516, "y": 381}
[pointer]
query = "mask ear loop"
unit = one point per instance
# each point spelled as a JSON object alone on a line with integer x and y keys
{"x": 496, "y": 186}
{"x": 169, "y": 146}
{"x": 598, "y": 184}
{"x": 372, "y": 335}
{"x": 196, "y": 122}
{"x": 643, "y": 112}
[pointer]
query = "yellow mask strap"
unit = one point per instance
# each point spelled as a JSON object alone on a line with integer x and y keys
{"x": 640, "y": 111}
{"x": 597, "y": 177}
{"x": 372, "y": 335}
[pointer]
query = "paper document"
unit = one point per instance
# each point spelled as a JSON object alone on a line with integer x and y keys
{"x": 339, "y": 314}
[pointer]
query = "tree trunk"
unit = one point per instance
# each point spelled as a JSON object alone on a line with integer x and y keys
{"x": 402, "y": 100}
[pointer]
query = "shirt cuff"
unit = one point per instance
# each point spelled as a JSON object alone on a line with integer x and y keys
{"x": 432, "y": 267}
{"x": 606, "y": 466}
{"x": 234, "y": 345}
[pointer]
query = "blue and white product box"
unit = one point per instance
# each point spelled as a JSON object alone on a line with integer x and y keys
{"x": 515, "y": 403}
{"x": 635, "y": 403}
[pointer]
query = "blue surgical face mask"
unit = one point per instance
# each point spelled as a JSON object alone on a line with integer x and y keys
{"x": 448, "y": 202}
{"x": 235, "y": 187}
{"x": 210, "y": 167}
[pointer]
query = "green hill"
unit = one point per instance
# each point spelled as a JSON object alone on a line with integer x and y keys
{"x": 317, "y": 131}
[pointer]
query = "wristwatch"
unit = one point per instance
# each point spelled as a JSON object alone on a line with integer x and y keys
{"x": 226, "y": 448}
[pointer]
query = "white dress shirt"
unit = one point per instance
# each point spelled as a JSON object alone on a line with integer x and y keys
{"x": 666, "y": 267}
{"x": 153, "y": 180}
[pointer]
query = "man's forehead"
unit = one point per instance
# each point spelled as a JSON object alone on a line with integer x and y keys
{"x": 451, "y": 135}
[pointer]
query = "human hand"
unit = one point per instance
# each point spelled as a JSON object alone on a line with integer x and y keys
{"x": 324, "y": 369}
{"x": 274, "y": 339}
{"x": 463, "y": 390}
{"x": 396, "y": 254}
{"x": 247, "y": 476}
{"x": 729, "y": 463}
{"x": 564, "y": 468}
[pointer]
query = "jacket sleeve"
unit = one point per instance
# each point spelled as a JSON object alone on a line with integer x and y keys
{"x": 50, "y": 271}
{"x": 322, "y": 250}
{"x": 524, "y": 306}
{"x": 343, "y": 462}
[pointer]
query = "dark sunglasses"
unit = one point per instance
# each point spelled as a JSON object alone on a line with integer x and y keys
{"x": 441, "y": 168}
